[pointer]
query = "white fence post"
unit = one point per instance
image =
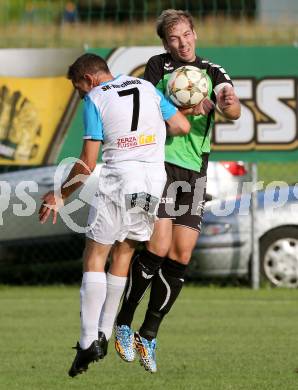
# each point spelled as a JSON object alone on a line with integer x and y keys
{"x": 255, "y": 269}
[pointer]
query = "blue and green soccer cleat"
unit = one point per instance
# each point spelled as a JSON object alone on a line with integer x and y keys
{"x": 146, "y": 350}
{"x": 124, "y": 343}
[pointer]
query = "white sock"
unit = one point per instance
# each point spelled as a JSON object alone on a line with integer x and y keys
{"x": 93, "y": 294}
{"x": 115, "y": 288}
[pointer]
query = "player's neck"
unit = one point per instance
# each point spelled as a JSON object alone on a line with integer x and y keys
{"x": 106, "y": 77}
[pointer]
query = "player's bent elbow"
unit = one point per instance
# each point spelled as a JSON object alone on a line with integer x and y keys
{"x": 185, "y": 129}
{"x": 178, "y": 125}
{"x": 89, "y": 165}
{"x": 183, "y": 125}
{"x": 92, "y": 166}
{"x": 181, "y": 129}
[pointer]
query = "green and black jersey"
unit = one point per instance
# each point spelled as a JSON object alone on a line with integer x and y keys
{"x": 187, "y": 151}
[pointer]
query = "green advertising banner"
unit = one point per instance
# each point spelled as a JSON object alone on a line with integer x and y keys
{"x": 265, "y": 79}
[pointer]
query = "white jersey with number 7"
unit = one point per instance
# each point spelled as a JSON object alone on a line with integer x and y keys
{"x": 127, "y": 114}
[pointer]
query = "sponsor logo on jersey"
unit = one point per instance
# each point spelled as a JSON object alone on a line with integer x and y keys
{"x": 134, "y": 141}
{"x": 168, "y": 66}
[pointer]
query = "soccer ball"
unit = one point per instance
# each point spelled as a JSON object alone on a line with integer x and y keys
{"x": 187, "y": 86}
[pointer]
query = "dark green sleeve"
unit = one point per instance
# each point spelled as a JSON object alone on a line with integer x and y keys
{"x": 154, "y": 70}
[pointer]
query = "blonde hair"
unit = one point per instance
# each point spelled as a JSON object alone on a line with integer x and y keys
{"x": 168, "y": 18}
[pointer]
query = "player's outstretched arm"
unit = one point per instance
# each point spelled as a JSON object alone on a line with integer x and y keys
{"x": 178, "y": 124}
{"x": 79, "y": 173}
{"x": 228, "y": 103}
{"x": 82, "y": 168}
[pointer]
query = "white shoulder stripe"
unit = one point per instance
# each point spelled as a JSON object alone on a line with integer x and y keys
{"x": 218, "y": 87}
{"x": 217, "y": 67}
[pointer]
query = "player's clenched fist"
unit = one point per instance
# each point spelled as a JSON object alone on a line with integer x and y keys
{"x": 226, "y": 97}
{"x": 228, "y": 102}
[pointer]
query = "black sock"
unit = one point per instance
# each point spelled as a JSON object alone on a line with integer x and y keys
{"x": 166, "y": 286}
{"x": 144, "y": 266}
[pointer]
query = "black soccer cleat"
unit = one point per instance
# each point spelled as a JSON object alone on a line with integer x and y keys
{"x": 84, "y": 357}
{"x": 103, "y": 344}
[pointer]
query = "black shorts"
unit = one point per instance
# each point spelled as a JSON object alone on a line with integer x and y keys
{"x": 183, "y": 198}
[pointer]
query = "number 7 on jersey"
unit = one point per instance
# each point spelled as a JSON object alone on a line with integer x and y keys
{"x": 136, "y": 105}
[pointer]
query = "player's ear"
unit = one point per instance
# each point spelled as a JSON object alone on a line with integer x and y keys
{"x": 88, "y": 78}
{"x": 195, "y": 34}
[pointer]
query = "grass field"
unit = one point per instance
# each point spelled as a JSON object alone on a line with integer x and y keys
{"x": 213, "y": 339}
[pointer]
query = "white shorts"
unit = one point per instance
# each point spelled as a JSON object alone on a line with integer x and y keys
{"x": 125, "y": 205}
